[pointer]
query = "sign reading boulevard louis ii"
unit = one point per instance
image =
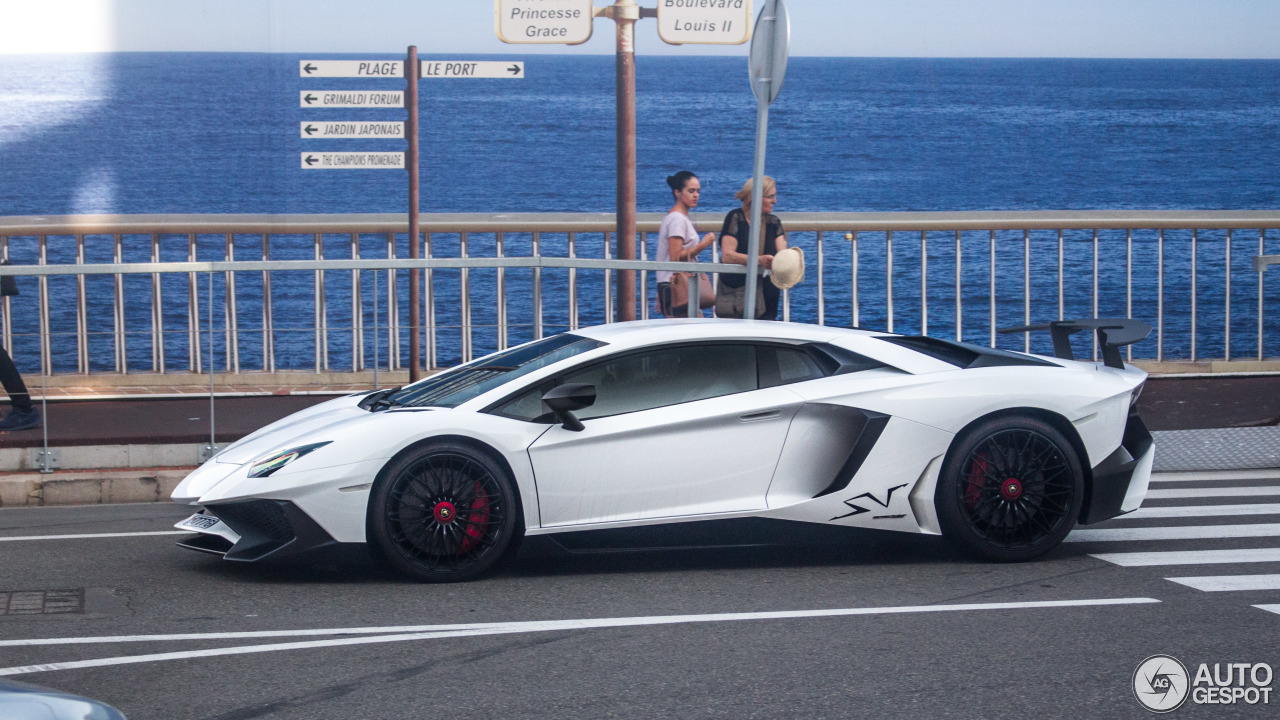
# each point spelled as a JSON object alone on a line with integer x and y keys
{"x": 351, "y": 98}
{"x": 704, "y": 22}
{"x": 543, "y": 21}
{"x": 353, "y": 161}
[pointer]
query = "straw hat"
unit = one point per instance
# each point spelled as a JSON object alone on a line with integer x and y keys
{"x": 788, "y": 268}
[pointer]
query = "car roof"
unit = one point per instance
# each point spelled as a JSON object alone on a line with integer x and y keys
{"x": 648, "y": 332}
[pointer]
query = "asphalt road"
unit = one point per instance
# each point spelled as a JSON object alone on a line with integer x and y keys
{"x": 915, "y": 630}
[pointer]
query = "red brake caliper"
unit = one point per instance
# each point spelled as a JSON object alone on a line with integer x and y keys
{"x": 975, "y": 480}
{"x": 476, "y": 519}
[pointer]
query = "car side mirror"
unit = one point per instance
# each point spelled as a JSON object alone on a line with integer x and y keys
{"x": 564, "y": 399}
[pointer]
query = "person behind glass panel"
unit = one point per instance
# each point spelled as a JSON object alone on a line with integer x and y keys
{"x": 678, "y": 242}
{"x": 734, "y": 235}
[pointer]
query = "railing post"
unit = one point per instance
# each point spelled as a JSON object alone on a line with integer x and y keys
{"x": 1026, "y": 288}
{"x": 888, "y": 277}
{"x": 465, "y": 299}
{"x": 157, "y": 311}
{"x": 195, "y": 355}
{"x": 82, "y": 314}
{"x": 232, "y": 329}
{"x": 357, "y": 311}
{"x": 991, "y": 291}
{"x": 1195, "y": 250}
{"x": 268, "y": 317}
{"x": 1226, "y": 328}
{"x": 537, "y": 288}
{"x": 959, "y": 294}
{"x": 924, "y": 282}
{"x": 502, "y": 292}
{"x": 1160, "y": 296}
{"x": 822, "y": 316}
{"x": 852, "y": 237}
{"x": 117, "y": 301}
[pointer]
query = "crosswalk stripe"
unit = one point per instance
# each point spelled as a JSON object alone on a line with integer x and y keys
{"x": 1190, "y": 557}
{"x": 1230, "y": 583}
{"x": 1192, "y": 532}
{"x": 1212, "y": 492}
{"x": 1269, "y": 608}
{"x": 1182, "y": 511}
{"x": 1216, "y": 475}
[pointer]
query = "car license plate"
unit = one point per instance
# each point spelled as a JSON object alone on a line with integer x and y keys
{"x": 199, "y": 522}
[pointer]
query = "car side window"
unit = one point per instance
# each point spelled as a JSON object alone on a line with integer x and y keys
{"x": 666, "y": 376}
{"x": 785, "y": 365}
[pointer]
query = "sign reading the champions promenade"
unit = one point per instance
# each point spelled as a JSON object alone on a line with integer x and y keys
{"x": 351, "y": 98}
{"x": 353, "y": 161}
{"x": 543, "y": 21}
{"x": 355, "y": 130}
{"x": 351, "y": 68}
{"x": 704, "y": 22}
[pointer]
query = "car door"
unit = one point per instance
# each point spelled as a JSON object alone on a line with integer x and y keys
{"x": 675, "y": 431}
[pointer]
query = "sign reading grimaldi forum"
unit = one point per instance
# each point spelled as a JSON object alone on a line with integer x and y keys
{"x": 704, "y": 22}
{"x": 543, "y": 21}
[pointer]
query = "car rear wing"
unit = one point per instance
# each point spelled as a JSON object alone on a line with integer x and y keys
{"x": 1113, "y": 334}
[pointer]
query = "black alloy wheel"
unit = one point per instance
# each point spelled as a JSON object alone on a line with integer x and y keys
{"x": 1010, "y": 489}
{"x": 443, "y": 513}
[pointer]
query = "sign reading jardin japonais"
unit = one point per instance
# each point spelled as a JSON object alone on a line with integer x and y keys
{"x": 543, "y": 21}
{"x": 704, "y": 22}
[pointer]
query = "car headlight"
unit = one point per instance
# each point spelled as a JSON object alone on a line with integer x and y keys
{"x": 272, "y": 463}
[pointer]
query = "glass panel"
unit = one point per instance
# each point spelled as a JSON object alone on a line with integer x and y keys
{"x": 667, "y": 377}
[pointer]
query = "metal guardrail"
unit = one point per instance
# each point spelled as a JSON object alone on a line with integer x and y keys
{"x": 977, "y": 258}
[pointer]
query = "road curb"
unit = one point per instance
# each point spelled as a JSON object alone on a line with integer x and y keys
{"x": 136, "y": 485}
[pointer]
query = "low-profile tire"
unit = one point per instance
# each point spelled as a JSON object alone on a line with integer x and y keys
{"x": 443, "y": 512}
{"x": 1010, "y": 489}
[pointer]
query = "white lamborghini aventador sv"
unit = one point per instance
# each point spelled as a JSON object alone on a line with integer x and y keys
{"x": 686, "y": 432}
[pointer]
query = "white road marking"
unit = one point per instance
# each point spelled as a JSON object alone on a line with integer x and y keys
{"x": 1230, "y": 583}
{"x": 1212, "y": 492}
{"x": 1194, "y": 532}
{"x": 1269, "y": 608}
{"x": 556, "y": 625}
{"x": 1180, "y": 511}
{"x": 1216, "y": 475}
{"x": 1190, "y": 557}
{"x": 92, "y": 535}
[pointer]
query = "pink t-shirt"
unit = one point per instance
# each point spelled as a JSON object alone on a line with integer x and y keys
{"x": 679, "y": 225}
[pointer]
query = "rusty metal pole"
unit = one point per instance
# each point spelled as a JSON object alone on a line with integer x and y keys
{"x": 625, "y": 13}
{"x": 411, "y": 162}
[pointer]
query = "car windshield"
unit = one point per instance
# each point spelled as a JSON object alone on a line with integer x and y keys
{"x": 453, "y": 387}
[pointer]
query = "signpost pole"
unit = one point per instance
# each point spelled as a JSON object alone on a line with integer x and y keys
{"x": 625, "y": 13}
{"x": 768, "y": 64}
{"x": 411, "y": 161}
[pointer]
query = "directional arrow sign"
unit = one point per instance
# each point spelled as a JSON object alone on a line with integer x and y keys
{"x": 354, "y": 130}
{"x": 450, "y": 69}
{"x": 353, "y": 161}
{"x": 704, "y": 22}
{"x": 543, "y": 21}
{"x": 351, "y": 68}
{"x": 351, "y": 98}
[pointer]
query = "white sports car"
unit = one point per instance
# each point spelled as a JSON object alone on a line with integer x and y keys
{"x": 679, "y": 432}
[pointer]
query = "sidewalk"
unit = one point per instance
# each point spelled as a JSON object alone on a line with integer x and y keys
{"x": 136, "y": 448}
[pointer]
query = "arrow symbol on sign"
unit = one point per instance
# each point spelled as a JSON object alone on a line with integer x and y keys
{"x": 311, "y": 160}
{"x": 310, "y": 98}
{"x": 309, "y": 68}
{"x": 310, "y": 129}
{"x": 514, "y": 69}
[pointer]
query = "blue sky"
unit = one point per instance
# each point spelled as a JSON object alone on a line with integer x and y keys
{"x": 867, "y": 28}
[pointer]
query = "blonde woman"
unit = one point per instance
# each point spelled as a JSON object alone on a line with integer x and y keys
{"x": 734, "y": 235}
{"x": 678, "y": 242}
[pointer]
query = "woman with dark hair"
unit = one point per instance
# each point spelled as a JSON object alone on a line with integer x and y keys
{"x": 678, "y": 242}
{"x": 734, "y": 235}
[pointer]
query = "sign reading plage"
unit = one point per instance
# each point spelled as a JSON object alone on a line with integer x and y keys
{"x": 704, "y": 22}
{"x": 566, "y": 22}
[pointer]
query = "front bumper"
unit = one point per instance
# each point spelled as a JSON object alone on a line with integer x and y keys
{"x": 1120, "y": 481}
{"x": 256, "y": 530}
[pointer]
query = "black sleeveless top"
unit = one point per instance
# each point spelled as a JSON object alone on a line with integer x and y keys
{"x": 737, "y": 224}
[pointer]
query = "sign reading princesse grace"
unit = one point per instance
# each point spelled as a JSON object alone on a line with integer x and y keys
{"x": 704, "y": 22}
{"x": 543, "y": 21}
